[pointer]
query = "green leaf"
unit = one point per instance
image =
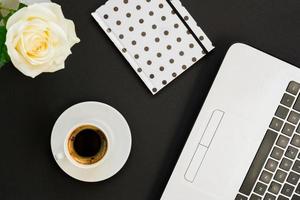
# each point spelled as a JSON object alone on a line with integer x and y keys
{"x": 4, "y": 57}
{"x": 21, "y": 5}
{"x": 7, "y": 16}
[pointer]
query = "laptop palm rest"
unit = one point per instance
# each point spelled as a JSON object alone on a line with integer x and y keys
{"x": 203, "y": 145}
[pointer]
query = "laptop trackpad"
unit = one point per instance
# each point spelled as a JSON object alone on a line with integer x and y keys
{"x": 203, "y": 145}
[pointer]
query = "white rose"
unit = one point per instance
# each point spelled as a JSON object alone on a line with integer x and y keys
{"x": 39, "y": 38}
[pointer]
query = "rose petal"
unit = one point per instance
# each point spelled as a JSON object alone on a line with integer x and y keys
{"x": 30, "y": 2}
{"x": 39, "y": 39}
{"x": 35, "y": 10}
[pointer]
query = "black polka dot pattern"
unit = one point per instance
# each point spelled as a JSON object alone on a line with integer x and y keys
{"x": 133, "y": 42}
{"x": 159, "y": 45}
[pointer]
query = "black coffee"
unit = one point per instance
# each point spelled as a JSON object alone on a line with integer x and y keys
{"x": 87, "y": 143}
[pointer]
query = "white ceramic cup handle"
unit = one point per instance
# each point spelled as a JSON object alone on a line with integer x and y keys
{"x": 60, "y": 156}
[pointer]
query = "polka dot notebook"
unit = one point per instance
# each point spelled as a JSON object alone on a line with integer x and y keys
{"x": 159, "y": 38}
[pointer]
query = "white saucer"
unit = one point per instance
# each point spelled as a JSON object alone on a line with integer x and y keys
{"x": 114, "y": 122}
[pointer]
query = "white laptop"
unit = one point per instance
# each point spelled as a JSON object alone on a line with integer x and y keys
{"x": 245, "y": 142}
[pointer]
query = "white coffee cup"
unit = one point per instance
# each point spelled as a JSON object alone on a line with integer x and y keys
{"x": 66, "y": 153}
{"x": 111, "y": 123}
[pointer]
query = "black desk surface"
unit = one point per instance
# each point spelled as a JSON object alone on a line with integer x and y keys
{"x": 96, "y": 71}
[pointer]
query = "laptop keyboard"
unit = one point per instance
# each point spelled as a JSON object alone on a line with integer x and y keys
{"x": 275, "y": 171}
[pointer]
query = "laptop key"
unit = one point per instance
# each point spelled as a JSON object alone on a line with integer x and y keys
{"x": 282, "y": 112}
{"x": 295, "y": 197}
{"x": 293, "y": 178}
{"x": 265, "y": 177}
{"x": 294, "y": 117}
{"x": 288, "y": 100}
{"x": 298, "y": 189}
{"x": 240, "y": 197}
{"x": 258, "y": 162}
{"x": 287, "y": 190}
{"x": 286, "y": 164}
{"x": 274, "y": 188}
{"x": 277, "y": 153}
{"x": 269, "y": 197}
{"x": 296, "y": 141}
{"x": 296, "y": 166}
{"x": 282, "y": 198}
{"x": 298, "y": 129}
{"x": 291, "y": 152}
{"x": 260, "y": 188}
{"x": 296, "y": 105}
{"x": 282, "y": 141}
{"x": 293, "y": 88}
{"x": 276, "y": 124}
{"x": 271, "y": 165}
{"x": 280, "y": 176}
{"x": 255, "y": 197}
{"x": 288, "y": 129}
